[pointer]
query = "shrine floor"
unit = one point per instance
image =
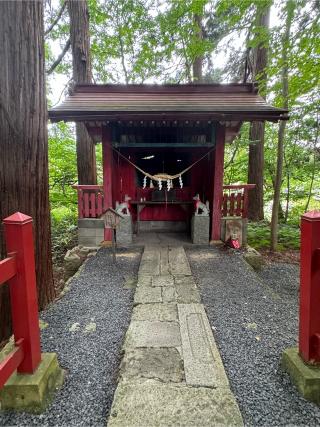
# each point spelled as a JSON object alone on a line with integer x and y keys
{"x": 161, "y": 238}
{"x": 171, "y": 372}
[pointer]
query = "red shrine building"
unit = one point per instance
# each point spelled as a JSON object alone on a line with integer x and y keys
{"x": 163, "y": 147}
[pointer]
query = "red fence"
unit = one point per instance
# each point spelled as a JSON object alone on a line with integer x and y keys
{"x": 19, "y": 271}
{"x": 309, "y": 319}
{"x": 235, "y": 200}
{"x": 90, "y": 200}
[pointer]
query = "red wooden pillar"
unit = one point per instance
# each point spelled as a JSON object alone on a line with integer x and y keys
{"x": 218, "y": 183}
{"x": 107, "y": 174}
{"x": 309, "y": 321}
{"x": 23, "y": 293}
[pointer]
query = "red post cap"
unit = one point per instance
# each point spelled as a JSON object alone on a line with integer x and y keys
{"x": 17, "y": 218}
{"x": 312, "y": 215}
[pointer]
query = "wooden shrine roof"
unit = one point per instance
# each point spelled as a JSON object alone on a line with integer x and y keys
{"x": 92, "y": 102}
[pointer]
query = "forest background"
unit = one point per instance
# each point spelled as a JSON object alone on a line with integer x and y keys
{"x": 157, "y": 41}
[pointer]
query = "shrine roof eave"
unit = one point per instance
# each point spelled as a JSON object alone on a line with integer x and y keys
{"x": 102, "y": 118}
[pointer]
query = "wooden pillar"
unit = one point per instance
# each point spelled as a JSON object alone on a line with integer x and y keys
{"x": 309, "y": 319}
{"x": 218, "y": 183}
{"x": 107, "y": 174}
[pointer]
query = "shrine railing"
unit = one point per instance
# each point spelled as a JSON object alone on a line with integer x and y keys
{"x": 90, "y": 200}
{"x": 18, "y": 270}
{"x": 235, "y": 200}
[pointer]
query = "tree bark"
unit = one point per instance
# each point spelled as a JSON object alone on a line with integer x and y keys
{"x": 290, "y": 5}
{"x": 256, "y": 134}
{"x": 24, "y": 182}
{"x": 80, "y": 43}
{"x": 198, "y": 60}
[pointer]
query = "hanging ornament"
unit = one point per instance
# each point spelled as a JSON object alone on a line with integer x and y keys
{"x": 180, "y": 181}
{"x": 171, "y": 183}
{"x": 160, "y": 184}
{"x": 168, "y": 184}
{"x": 144, "y": 182}
{"x": 151, "y": 184}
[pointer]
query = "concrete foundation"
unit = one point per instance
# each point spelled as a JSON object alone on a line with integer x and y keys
{"x": 33, "y": 392}
{"x": 305, "y": 377}
{"x": 200, "y": 229}
{"x": 90, "y": 231}
{"x": 124, "y": 231}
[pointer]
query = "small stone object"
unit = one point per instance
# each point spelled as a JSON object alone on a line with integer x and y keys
{"x": 72, "y": 262}
{"x": 253, "y": 258}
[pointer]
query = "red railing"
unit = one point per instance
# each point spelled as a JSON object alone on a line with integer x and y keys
{"x": 90, "y": 200}
{"x": 235, "y": 200}
{"x": 19, "y": 271}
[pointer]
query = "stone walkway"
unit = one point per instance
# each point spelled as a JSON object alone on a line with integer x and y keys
{"x": 171, "y": 373}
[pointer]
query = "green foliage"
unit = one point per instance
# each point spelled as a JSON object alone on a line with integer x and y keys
{"x": 138, "y": 41}
{"x": 63, "y": 232}
{"x": 259, "y": 236}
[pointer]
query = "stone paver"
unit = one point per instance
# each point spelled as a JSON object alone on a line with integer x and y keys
{"x": 161, "y": 312}
{"x": 152, "y": 334}
{"x": 147, "y": 295}
{"x": 171, "y": 373}
{"x": 166, "y": 280}
{"x": 179, "y": 265}
{"x": 146, "y": 403}
{"x": 164, "y": 364}
{"x": 202, "y": 361}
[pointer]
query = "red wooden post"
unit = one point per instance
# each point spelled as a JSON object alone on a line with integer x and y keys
{"x": 309, "y": 322}
{"x": 107, "y": 175}
{"x": 23, "y": 293}
{"x": 218, "y": 183}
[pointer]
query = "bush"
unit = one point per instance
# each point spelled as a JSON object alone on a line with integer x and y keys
{"x": 259, "y": 236}
{"x": 64, "y": 232}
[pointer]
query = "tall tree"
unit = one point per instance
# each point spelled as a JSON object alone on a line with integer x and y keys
{"x": 197, "y": 64}
{"x": 289, "y": 10}
{"x": 23, "y": 137}
{"x": 81, "y": 63}
{"x": 256, "y": 134}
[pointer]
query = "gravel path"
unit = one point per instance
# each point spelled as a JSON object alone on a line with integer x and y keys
{"x": 254, "y": 318}
{"x": 98, "y": 310}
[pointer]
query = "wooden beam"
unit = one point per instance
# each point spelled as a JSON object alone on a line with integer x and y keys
{"x": 107, "y": 175}
{"x": 218, "y": 183}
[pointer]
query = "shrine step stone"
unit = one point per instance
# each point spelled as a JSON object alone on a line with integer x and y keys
{"x": 171, "y": 372}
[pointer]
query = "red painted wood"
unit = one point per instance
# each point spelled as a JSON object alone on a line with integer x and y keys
{"x": 99, "y": 204}
{"x": 245, "y": 204}
{"x": 11, "y": 363}
{"x": 23, "y": 293}
{"x": 239, "y": 199}
{"x": 88, "y": 187}
{"x": 8, "y": 269}
{"x": 93, "y": 212}
{"x": 225, "y": 200}
{"x": 80, "y": 204}
{"x": 86, "y": 210}
{"x": 309, "y": 316}
{"x": 107, "y": 157}
{"x": 232, "y": 201}
{"x": 218, "y": 183}
{"x": 239, "y": 186}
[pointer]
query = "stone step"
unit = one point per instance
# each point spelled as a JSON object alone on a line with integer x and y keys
{"x": 151, "y": 403}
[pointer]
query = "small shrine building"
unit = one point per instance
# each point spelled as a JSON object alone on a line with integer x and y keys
{"x": 162, "y": 146}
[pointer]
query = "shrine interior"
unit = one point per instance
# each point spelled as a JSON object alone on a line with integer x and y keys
{"x": 166, "y": 148}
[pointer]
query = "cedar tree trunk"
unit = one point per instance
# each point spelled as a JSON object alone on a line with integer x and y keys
{"x": 24, "y": 182}
{"x": 256, "y": 134}
{"x": 290, "y": 5}
{"x": 198, "y": 60}
{"x": 80, "y": 43}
